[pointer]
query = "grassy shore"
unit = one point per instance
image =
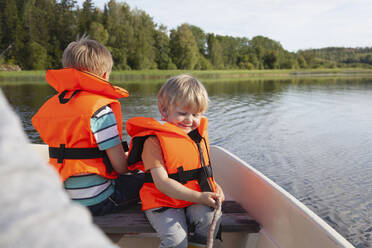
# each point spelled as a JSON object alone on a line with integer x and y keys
{"x": 156, "y": 75}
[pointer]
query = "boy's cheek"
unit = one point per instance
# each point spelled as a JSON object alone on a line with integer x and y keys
{"x": 196, "y": 125}
{"x": 197, "y": 122}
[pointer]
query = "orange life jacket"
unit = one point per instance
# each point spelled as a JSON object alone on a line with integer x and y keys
{"x": 186, "y": 158}
{"x": 63, "y": 122}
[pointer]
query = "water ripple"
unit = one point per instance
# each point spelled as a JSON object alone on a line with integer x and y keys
{"x": 313, "y": 138}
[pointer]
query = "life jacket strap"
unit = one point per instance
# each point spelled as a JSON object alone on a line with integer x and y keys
{"x": 62, "y": 95}
{"x": 200, "y": 174}
{"x": 135, "y": 154}
{"x": 61, "y": 153}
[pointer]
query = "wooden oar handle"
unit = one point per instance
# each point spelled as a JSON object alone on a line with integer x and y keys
{"x": 216, "y": 214}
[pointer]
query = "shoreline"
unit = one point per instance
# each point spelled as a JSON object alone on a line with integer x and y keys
{"x": 153, "y": 75}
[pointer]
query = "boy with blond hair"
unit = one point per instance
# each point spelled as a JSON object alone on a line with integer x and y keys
{"x": 179, "y": 193}
{"x": 82, "y": 125}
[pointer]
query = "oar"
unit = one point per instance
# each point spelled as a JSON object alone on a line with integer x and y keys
{"x": 217, "y": 212}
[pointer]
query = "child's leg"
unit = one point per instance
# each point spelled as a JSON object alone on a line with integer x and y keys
{"x": 201, "y": 216}
{"x": 171, "y": 226}
{"x": 126, "y": 192}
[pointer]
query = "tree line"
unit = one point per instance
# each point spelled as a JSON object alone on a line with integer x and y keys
{"x": 34, "y": 33}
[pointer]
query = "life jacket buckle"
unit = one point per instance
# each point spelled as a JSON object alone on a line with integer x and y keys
{"x": 181, "y": 177}
{"x": 61, "y": 153}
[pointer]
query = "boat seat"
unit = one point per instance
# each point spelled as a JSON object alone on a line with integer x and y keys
{"x": 133, "y": 221}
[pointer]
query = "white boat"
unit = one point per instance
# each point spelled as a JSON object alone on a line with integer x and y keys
{"x": 285, "y": 222}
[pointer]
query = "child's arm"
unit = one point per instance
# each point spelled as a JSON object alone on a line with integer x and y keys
{"x": 104, "y": 127}
{"x": 176, "y": 190}
{"x": 118, "y": 159}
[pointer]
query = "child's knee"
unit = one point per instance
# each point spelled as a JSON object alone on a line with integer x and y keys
{"x": 200, "y": 215}
{"x": 176, "y": 239}
{"x": 200, "y": 218}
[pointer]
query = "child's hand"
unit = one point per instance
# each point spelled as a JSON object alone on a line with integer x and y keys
{"x": 209, "y": 199}
{"x": 220, "y": 193}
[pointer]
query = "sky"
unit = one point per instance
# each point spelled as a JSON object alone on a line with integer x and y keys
{"x": 296, "y": 24}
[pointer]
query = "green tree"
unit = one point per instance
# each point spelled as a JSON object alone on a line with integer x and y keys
{"x": 268, "y": 52}
{"x": 98, "y": 32}
{"x": 55, "y": 52}
{"x": 301, "y": 61}
{"x": 288, "y": 60}
{"x": 56, "y": 42}
{"x": 66, "y": 22}
{"x": 38, "y": 58}
{"x": 85, "y": 17}
{"x": 270, "y": 60}
{"x": 1, "y": 32}
{"x": 12, "y": 31}
{"x": 162, "y": 50}
{"x": 142, "y": 56}
{"x": 245, "y": 62}
{"x": 309, "y": 58}
{"x": 118, "y": 19}
{"x": 265, "y": 43}
{"x": 184, "y": 49}
{"x": 246, "y": 58}
{"x": 203, "y": 64}
{"x": 10, "y": 21}
{"x": 36, "y": 26}
{"x": 200, "y": 38}
{"x": 230, "y": 47}
{"x": 215, "y": 52}
{"x": 202, "y": 42}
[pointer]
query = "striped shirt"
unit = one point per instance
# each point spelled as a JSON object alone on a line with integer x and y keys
{"x": 91, "y": 189}
{"x": 105, "y": 129}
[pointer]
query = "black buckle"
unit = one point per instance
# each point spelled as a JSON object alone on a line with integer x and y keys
{"x": 61, "y": 153}
{"x": 181, "y": 177}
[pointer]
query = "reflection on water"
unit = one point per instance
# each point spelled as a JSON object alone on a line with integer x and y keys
{"x": 312, "y": 137}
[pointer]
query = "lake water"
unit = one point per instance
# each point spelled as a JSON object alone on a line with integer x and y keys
{"x": 312, "y": 136}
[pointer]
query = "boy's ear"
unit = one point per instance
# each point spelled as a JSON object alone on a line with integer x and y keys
{"x": 106, "y": 76}
{"x": 162, "y": 110}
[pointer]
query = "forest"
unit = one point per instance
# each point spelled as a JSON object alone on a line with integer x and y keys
{"x": 34, "y": 33}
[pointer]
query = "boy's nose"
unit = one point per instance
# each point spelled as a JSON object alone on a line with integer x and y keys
{"x": 188, "y": 118}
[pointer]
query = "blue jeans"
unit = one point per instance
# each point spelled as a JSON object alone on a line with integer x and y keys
{"x": 126, "y": 192}
{"x": 174, "y": 224}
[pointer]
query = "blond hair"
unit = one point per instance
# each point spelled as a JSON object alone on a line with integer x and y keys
{"x": 87, "y": 55}
{"x": 183, "y": 91}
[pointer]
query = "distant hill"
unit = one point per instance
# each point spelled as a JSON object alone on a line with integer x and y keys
{"x": 338, "y": 57}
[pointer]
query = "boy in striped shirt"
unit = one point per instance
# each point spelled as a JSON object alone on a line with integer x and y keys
{"x": 94, "y": 191}
{"x": 82, "y": 125}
